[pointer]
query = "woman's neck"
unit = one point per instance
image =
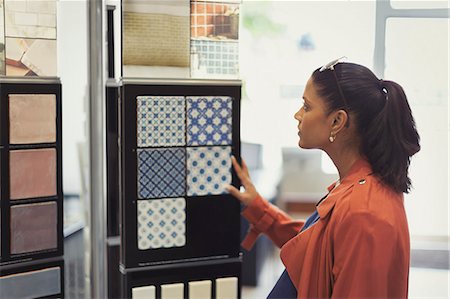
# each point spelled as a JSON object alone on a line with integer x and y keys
{"x": 344, "y": 160}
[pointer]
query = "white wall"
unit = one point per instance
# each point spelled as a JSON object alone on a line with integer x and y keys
{"x": 73, "y": 71}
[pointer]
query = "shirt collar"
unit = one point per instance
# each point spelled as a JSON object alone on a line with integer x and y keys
{"x": 358, "y": 171}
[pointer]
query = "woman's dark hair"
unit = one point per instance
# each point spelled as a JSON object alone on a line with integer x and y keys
{"x": 381, "y": 114}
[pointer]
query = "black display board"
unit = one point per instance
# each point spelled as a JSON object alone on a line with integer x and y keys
{"x": 184, "y": 273}
{"x": 33, "y": 267}
{"x": 7, "y": 87}
{"x": 212, "y": 222}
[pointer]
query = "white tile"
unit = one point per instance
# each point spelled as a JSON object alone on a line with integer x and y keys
{"x": 161, "y": 223}
{"x": 48, "y": 20}
{"x": 41, "y": 6}
{"x": 41, "y": 57}
{"x": 200, "y": 289}
{"x": 18, "y": 6}
{"x": 147, "y": 292}
{"x": 172, "y": 291}
{"x": 21, "y": 18}
{"x": 227, "y": 288}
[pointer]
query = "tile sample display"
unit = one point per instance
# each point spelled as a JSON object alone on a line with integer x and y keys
{"x": 208, "y": 170}
{"x": 156, "y": 33}
{"x": 161, "y": 172}
{"x": 33, "y": 227}
{"x": 215, "y": 19}
{"x": 227, "y": 288}
{"x": 161, "y": 121}
{"x": 30, "y": 18}
{"x": 33, "y": 284}
{"x": 30, "y": 57}
{"x": 161, "y": 223}
{"x": 209, "y": 120}
{"x": 172, "y": 291}
{"x": 32, "y": 118}
{"x": 215, "y": 57}
{"x": 200, "y": 289}
{"x": 147, "y": 292}
{"x": 32, "y": 173}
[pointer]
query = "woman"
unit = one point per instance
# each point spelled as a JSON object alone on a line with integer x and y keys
{"x": 356, "y": 243}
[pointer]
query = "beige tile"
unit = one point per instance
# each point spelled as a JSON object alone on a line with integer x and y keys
{"x": 41, "y": 57}
{"x": 172, "y": 291}
{"x": 200, "y": 289}
{"x": 227, "y": 288}
{"x": 47, "y": 20}
{"x": 16, "y": 6}
{"x": 147, "y": 292}
{"x": 21, "y": 18}
{"x": 40, "y": 6}
{"x": 32, "y": 118}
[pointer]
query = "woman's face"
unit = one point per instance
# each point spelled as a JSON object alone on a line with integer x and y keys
{"x": 314, "y": 123}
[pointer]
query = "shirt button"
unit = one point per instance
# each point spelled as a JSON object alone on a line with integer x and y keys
{"x": 362, "y": 181}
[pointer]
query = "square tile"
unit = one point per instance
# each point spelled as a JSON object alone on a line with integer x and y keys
{"x": 161, "y": 172}
{"x": 227, "y": 288}
{"x": 209, "y": 120}
{"x": 208, "y": 170}
{"x": 147, "y": 292}
{"x": 161, "y": 121}
{"x": 34, "y": 227}
{"x": 172, "y": 291}
{"x": 161, "y": 223}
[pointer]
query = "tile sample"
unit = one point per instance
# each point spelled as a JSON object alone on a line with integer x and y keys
{"x": 161, "y": 121}
{"x": 161, "y": 172}
{"x": 30, "y": 18}
{"x": 156, "y": 33}
{"x": 33, "y": 227}
{"x": 32, "y": 173}
{"x": 30, "y": 57}
{"x": 200, "y": 289}
{"x": 161, "y": 223}
{"x": 208, "y": 170}
{"x": 227, "y": 288}
{"x": 172, "y": 291}
{"x": 209, "y": 120}
{"x": 147, "y": 292}
{"x": 32, "y": 284}
{"x": 32, "y": 118}
{"x": 215, "y": 57}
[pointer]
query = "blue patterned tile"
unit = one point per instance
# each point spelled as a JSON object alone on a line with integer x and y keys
{"x": 161, "y": 172}
{"x": 161, "y": 223}
{"x": 208, "y": 170}
{"x": 209, "y": 120}
{"x": 161, "y": 121}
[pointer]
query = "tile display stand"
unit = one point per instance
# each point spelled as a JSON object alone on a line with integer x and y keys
{"x": 31, "y": 248}
{"x": 184, "y": 238}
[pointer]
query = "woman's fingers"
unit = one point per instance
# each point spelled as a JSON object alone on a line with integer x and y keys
{"x": 235, "y": 192}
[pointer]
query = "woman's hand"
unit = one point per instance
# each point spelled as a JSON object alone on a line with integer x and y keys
{"x": 250, "y": 192}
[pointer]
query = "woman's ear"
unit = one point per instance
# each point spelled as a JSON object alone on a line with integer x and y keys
{"x": 340, "y": 120}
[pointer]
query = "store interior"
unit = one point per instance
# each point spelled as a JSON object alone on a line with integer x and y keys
{"x": 112, "y": 111}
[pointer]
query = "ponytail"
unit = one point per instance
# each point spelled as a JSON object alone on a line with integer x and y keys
{"x": 391, "y": 138}
{"x": 382, "y": 117}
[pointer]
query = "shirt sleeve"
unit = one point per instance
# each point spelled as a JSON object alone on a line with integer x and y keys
{"x": 268, "y": 219}
{"x": 364, "y": 251}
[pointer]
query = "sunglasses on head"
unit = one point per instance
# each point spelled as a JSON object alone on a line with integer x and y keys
{"x": 330, "y": 66}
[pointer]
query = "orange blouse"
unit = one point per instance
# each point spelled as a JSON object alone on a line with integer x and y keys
{"x": 359, "y": 248}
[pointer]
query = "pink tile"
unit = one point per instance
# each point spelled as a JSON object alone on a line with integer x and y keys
{"x": 32, "y": 173}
